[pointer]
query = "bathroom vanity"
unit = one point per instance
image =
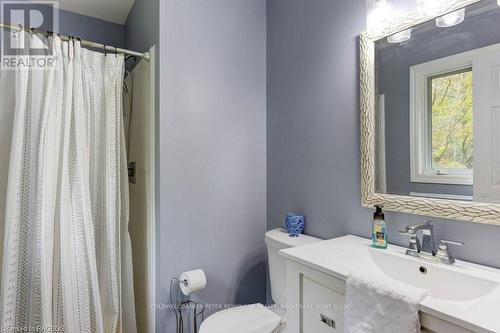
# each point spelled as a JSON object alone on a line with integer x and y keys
{"x": 462, "y": 298}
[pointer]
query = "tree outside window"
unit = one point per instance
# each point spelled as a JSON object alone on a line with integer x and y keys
{"x": 451, "y": 105}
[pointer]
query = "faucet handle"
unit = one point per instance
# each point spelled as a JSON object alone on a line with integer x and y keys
{"x": 444, "y": 252}
{"x": 414, "y": 242}
{"x": 445, "y": 243}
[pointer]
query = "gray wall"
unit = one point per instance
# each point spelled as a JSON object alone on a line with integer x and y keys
{"x": 393, "y": 73}
{"x": 92, "y": 29}
{"x": 313, "y": 128}
{"x": 142, "y": 28}
{"x": 212, "y": 138}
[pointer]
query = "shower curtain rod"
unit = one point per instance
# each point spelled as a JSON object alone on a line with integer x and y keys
{"x": 106, "y": 48}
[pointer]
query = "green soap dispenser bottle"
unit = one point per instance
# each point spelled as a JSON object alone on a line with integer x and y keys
{"x": 379, "y": 230}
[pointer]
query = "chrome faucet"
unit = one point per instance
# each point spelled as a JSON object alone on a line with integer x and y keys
{"x": 427, "y": 245}
{"x": 427, "y": 249}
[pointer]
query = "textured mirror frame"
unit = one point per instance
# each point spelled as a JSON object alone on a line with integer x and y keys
{"x": 449, "y": 209}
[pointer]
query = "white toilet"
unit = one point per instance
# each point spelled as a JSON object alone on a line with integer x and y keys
{"x": 257, "y": 318}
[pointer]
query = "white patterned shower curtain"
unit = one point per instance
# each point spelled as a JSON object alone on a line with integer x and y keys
{"x": 66, "y": 244}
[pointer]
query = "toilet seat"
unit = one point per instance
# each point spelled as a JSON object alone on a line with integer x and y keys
{"x": 255, "y": 318}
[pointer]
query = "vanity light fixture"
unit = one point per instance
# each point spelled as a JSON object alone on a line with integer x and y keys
{"x": 451, "y": 19}
{"x": 379, "y": 16}
{"x": 400, "y": 37}
{"x": 430, "y": 7}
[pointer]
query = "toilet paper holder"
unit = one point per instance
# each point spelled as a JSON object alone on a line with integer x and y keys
{"x": 189, "y": 283}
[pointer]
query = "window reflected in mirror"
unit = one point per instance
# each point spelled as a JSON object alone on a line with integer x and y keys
{"x": 451, "y": 133}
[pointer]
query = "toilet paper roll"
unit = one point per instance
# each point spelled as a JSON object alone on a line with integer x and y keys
{"x": 192, "y": 281}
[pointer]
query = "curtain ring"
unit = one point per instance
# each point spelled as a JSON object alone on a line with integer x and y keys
{"x": 116, "y": 52}
{"x": 104, "y": 49}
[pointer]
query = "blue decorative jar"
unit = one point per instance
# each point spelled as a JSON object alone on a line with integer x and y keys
{"x": 294, "y": 224}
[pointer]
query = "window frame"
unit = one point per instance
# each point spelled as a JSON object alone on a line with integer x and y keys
{"x": 421, "y": 121}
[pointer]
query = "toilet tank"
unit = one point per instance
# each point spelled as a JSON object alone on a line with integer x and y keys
{"x": 277, "y": 240}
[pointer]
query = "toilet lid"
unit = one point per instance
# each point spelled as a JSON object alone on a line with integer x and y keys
{"x": 255, "y": 318}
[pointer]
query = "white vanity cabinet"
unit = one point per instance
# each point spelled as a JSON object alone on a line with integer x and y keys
{"x": 321, "y": 299}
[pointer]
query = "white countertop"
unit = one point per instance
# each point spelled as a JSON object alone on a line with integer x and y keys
{"x": 337, "y": 257}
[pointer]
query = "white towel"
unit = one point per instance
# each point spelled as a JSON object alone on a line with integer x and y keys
{"x": 376, "y": 303}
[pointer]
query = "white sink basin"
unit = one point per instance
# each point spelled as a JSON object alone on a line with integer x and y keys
{"x": 441, "y": 281}
{"x": 465, "y": 294}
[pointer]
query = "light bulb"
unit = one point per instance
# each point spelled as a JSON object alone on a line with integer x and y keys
{"x": 451, "y": 19}
{"x": 400, "y": 37}
{"x": 379, "y": 16}
{"x": 498, "y": 2}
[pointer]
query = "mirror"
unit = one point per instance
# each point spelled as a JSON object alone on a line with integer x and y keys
{"x": 437, "y": 108}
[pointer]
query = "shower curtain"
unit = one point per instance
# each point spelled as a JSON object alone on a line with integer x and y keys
{"x": 67, "y": 262}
